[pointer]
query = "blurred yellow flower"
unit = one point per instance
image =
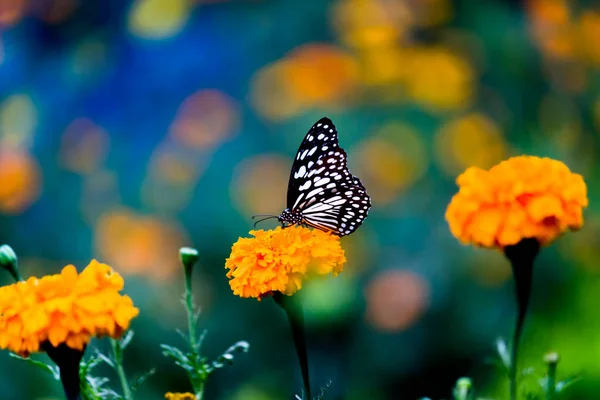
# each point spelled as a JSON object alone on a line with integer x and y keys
{"x": 439, "y": 79}
{"x": 67, "y": 308}
{"x": 180, "y": 396}
{"x": 393, "y": 158}
{"x": 158, "y": 19}
{"x": 279, "y": 260}
{"x": 522, "y": 197}
{"x": 470, "y": 140}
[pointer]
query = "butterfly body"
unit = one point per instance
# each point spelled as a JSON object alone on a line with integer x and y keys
{"x": 322, "y": 192}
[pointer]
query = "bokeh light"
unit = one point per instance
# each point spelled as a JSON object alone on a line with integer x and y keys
{"x": 140, "y": 244}
{"x": 20, "y": 179}
{"x": 392, "y": 159}
{"x": 205, "y": 119}
{"x": 18, "y": 120}
{"x": 396, "y": 299}
{"x": 470, "y": 140}
{"x": 259, "y": 185}
{"x": 84, "y": 146}
{"x": 158, "y": 19}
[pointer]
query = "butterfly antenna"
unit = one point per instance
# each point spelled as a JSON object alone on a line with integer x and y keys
{"x": 264, "y": 215}
{"x": 267, "y": 216}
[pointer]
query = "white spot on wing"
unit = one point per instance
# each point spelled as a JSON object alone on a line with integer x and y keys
{"x": 305, "y": 186}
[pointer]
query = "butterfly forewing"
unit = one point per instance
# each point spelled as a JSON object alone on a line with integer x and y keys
{"x": 322, "y": 188}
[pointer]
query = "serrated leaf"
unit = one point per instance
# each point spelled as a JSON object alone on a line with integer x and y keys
{"x": 126, "y": 340}
{"x": 137, "y": 382}
{"x": 182, "y": 334}
{"x": 324, "y": 390}
{"x": 105, "y": 359}
{"x": 53, "y": 370}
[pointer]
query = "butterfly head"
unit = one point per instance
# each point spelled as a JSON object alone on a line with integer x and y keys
{"x": 290, "y": 217}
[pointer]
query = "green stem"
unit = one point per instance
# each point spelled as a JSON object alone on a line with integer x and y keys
{"x": 552, "y": 361}
{"x": 296, "y": 320}
{"x": 521, "y": 257}
{"x": 117, "y": 352}
{"x": 189, "y": 306}
{"x": 197, "y": 384}
{"x": 67, "y": 360}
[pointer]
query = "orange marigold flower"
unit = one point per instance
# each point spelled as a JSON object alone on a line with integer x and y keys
{"x": 279, "y": 260}
{"x": 67, "y": 308}
{"x": 180, "y": 396}
{"x": 522, "y": 197}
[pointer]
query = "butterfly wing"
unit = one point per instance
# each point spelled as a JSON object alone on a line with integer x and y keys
{"x": 340, "y": 210}
{"x": 319, "y": 155}
{"x": 321, "y": 186}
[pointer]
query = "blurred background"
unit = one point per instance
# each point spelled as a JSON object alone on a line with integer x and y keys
{"x": 131, "y": 128}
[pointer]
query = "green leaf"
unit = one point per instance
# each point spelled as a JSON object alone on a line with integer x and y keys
{"x": 504, "y": 353}
{"x": 137, "y": 382}
{"x": 227, "y": 357}
{"x": 125, "y": 340}
{"x": 566, "y": 383}
{"x": 52, "y": 369}
{"x": 324, "y": 390}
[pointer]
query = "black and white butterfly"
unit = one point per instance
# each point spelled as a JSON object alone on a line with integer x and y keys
{"x": 322, "y": 192}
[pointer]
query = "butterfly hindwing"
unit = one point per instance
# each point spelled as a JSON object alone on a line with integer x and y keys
{"x": 341, "y": 209}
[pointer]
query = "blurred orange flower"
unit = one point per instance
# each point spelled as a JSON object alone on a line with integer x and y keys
{"x": 67, "y": 308}
{"x": 278, "y": 260}
{"x": 180, "y": 396}
{"x": 140, "y": 244}
{"x": 522, "y": 197}
{"x": 20, "y": 177}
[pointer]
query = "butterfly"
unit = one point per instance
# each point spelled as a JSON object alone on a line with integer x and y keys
{"x": 322, "y": 192}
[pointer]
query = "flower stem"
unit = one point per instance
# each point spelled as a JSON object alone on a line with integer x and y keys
{"x": 521, "y": 257}
{"x": 189, "y": 306}
{"x": 67, "y": 360}
{"x": 296, "y": 320}
{"x": 117, "y": 352}
{"x": 552, "y": 360}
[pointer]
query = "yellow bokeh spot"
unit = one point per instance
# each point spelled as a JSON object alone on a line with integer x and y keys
{"x": 470, "y": 140}
{"x": 158, "y": 19}
{"x": 18, "y": 120}
{"x": 589, "y": 27}
{"x": 21, "y": 181}
{"x": 371, "y": 23}
{"x": 438, "y": 79}
{"x": 256, "y": 181}
{"x": 270, "y": 96}
{"x": 140, "y": 244}
{"x": 391, "y": 160}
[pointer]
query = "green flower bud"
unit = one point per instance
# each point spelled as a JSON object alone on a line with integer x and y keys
{"x": 9, "y": 261}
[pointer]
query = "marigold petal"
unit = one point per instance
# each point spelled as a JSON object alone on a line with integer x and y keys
{"x": 68, "y": 308}
{"x": 279, "y": 260}
{"x": 522, "y": 197}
